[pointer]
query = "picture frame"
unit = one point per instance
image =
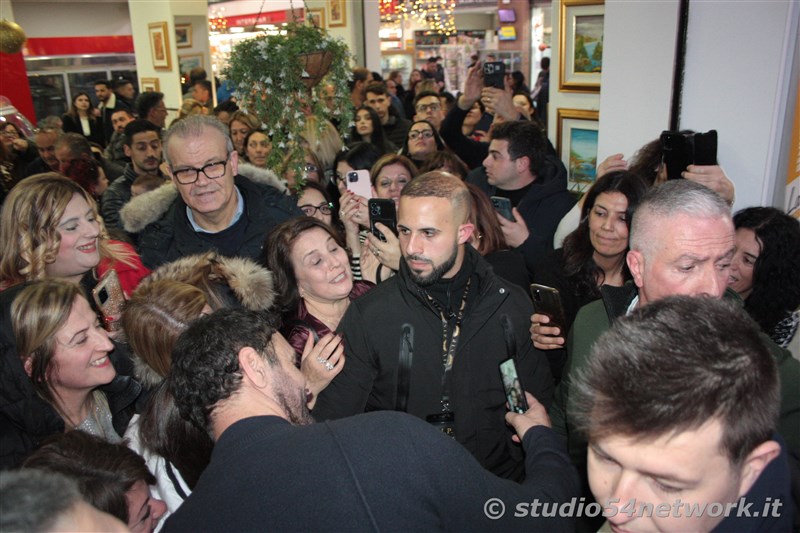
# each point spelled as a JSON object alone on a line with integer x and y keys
{"x": 337, "y": 13}
{"x": 576, "y": 145}
{"x": 183, "y": 35}
{"x": 159, "y": 45}
{"x": 317, "y": 17}
{"x": 149, "y": 85}
{"x": 189, "y": 61}
{"x": 581, "y": 39}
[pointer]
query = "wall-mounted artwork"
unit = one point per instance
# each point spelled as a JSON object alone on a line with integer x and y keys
{"x": 159, "y": 45}
{"x": 183, "y": 35}
{"x": 317, "y": 17}
{"x": 577, "y": 146}
{"x": 190, "y": 61}
{"x": 337, "y": 13}
{"x": 581, "y": 60}
{"x": 150, "y": 85}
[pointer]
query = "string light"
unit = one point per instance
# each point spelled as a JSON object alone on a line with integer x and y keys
{"x": 437, "y": 15}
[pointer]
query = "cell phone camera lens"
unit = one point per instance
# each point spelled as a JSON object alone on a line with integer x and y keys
{"x": 352, "y": 176}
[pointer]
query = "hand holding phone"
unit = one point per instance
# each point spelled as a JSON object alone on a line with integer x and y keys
{"x": 503, "y": 206}
{"x": 494, "y": 74}
{"x": 382, "y": 210}
{"x": 515, "y": 395}
{"x": 359, "y": 183}
{"x": 547, "y": 301}
{"x": 110, "y": 299}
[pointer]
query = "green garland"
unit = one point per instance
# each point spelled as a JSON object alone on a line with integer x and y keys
{"x": 267, "y": 74}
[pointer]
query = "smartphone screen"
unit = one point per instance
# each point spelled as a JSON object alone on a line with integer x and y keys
{"x": 515, "y": 395}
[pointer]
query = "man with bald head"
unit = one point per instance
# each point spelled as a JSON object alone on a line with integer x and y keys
{"x": 682, "y": 242}
{"x": 429, "y": 341}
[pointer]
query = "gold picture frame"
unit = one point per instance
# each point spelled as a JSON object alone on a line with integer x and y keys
{"x": 337, "y": 13}
{"x": 149, "y": 85}
{"x": 183, "y": 35}
{"x": 576, "y": 145}
{"x": 581, "y": 41}
{"x": 159, "y": 45}
{"x": 317, "y": 17}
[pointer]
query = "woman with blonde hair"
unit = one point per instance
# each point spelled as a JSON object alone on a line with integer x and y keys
{"x": 63, "y": 357}
{"x": 50, "y": 228}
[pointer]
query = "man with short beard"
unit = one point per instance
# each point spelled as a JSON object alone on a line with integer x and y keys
{"x": 456, "y": 318}
{"x": 234, "y": 376}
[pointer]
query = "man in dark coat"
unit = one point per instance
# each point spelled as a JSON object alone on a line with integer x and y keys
{"x": 452, "y": 320}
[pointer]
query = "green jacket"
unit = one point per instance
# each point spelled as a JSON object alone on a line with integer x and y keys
{"x": 595, "y": 318}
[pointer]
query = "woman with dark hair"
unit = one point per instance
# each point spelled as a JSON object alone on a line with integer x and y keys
{"x": 313, "y": 201}
{"x": 518, "y": 84}
{"x": 446, "y": 161}
{"x": 421, "y": 142}
{"x": 89, "y": 175}
{"x": 256, "y": 148}
{"x": 408, "y": 98}
{"x": 315, "y": 286}
{"x": 19, "y": 152}
{"x": 593, "y": 254}
{"x": 489, "y": 241}
{"x": 766, "y": 270}
{"x": 368, "y": 128}
{"x": 80, "y": 119}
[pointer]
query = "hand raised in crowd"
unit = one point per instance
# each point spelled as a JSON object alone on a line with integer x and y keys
{"x": 321, "y": 362}
{"x": 20, "y": 145}
{"x": 388, "y": 253}
{"x": 500, "y": 103}
{"x": 713, "y": 177}
{"x": 515, "y": 232}
{"x": 612, "y": 163}
{"x": 545, "y": 337}
{"x": 472, "y": 87}
{"x": 536, "y": 415}
{"x": 353, "y": 214}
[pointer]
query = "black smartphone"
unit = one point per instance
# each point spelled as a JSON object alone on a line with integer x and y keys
{"x": 494, "y": 74}
{"x": 382, "y": 210}
{"x": 503, "y": 206}
{"x": 679, "y": 150}
{"x": 547, "y": 301}
{"x": 515, "y": 395}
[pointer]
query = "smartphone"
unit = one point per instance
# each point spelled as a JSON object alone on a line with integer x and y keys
{"x": 515, "y": 395}
{"x": 109, "y": 298}
{"x": 679, "y": 150}
{"x": 494, "y": 74}
{"x": 357, "y": 181}
{"x": 547, "y": 301}
{"x": 382, "y": 210}
{"x": 503, "y": 206}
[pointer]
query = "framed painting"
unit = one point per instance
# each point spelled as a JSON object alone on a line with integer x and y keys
{"x": 337, "y": 13}
{"x": 159, "y": 45}
{"x": 183, "y": 35}
{"x": 581, "y": 60}
{"x": 316, "y": 17}
{"x": 576, "y": 144}
{"x": 189, "y": 61}
{"x": 150, "y": 85}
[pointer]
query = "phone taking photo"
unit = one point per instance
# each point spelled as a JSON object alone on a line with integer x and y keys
{"x": 547, "y": 301}
{"x": 382, "y": 210}
{"x": 358, "y": 182}
{"x": 494, "y": 74}
{"x": 515, "y": 395}
{"x": 503, "y": 206}
{"x": 109, "y": 297}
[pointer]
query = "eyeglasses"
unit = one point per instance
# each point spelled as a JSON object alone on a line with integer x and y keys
{"x": 187, "y": 176}
{"x": 428, "y": 107}
{"x": 425, "y": 134}
{"x": 309, "y": 210}
{"x": 311, "y": 168}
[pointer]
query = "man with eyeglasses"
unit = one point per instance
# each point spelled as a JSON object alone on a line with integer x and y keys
{"x": 429, "y": 107}
{"x": 217, "y": 209}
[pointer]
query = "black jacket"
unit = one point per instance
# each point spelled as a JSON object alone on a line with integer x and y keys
{"x": 172, "y": 236}
{"x": 543, "y": 207}
{"x": 25, "y": 418}
{"x": 372, "y": 329}
{"x": 96, "y": 135}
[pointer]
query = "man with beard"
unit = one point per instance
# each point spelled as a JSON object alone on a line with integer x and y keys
{"x": 143, "y": 146}
{"x": 236, "y": 377}
{"x": 429, "y": 340}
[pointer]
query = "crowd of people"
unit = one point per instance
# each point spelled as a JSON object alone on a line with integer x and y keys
{"x": 190, "y": 340}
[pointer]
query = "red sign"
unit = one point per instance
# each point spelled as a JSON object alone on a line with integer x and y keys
{"x": 273, "y": 17}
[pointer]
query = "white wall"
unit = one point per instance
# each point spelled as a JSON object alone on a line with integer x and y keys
{"x": 736, "y": 78}
{"x": 72, "y": 19}
{"x": 636, "y": 88}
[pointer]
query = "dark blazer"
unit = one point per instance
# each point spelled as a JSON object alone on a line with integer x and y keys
{"x": 72, "y": 125}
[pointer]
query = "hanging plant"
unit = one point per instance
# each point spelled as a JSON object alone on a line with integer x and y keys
{"x": 277, "y": 78}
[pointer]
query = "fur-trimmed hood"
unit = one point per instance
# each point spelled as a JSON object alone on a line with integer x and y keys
{"x": 248, "y": 282}
{"x": 151, "y": 206}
